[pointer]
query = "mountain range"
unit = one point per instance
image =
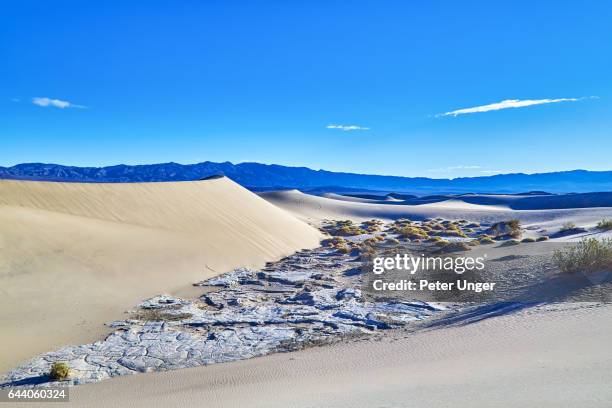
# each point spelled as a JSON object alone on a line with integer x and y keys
{"x": 258, "y": 176}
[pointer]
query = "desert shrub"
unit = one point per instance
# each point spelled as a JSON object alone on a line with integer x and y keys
{"x": 441, "y": 242}
{"x": 455, "y": 247}
{"x": 528, "y": 239}
{"x": 605, "y": 224}
{"x": 451, "y": 232}
{"x": 568, "y": 226}
{"x": 370, "y": 241}
{"x": 412, "y": 233}
{"x": 343, "y": 249}
{"x": 510, "y": 242}
{"x": 367, "y": 254}
{"x": 542, "y": 238}
{"x": 435, "y": 239}
{"x": 511, "y": 228}
{"x": 588, "y": 255}
{"x": 335, "y": 241}
{"x": 392, "y": 241}
{"x": 486, "y": 240}
{"x": 59, "y": 371}
{"x": 474, "y": 242}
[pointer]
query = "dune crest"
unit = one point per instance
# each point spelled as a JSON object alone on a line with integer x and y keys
{"x": 99, "y": 249}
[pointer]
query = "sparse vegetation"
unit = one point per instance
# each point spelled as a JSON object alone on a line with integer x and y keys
{"x": 412, "y": 233}
{"x": 455, "y": 247}
{"x": 605, "y": 224}
{"x": 588, "y": 256}
{"x": 528, "y": 239}
{"x": 345, "y": 228}
{"x": 59, "y": 371}
{"x": 568, "y": 226}
{"x": 510, "y": 242}
{"x": 543, "y": 238}
{"x": 510, "y": 228}
{"x": 486, "y": 240}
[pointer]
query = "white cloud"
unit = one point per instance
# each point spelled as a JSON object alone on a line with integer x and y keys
{"x": 507, "y": 104}
{"x": 347, "y": 127}
{"x": 45, "y": 102}
{"x": 454, "y": 168}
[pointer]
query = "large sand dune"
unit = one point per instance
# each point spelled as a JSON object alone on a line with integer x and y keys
{"x": 315, "y": 208}
{"x": 74, "y": 256}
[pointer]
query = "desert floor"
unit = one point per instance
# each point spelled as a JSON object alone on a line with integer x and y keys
{"x": 535, "y": 358}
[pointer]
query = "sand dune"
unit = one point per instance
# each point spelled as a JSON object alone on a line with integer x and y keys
{"x": 74, "y": 256}
{"x": 315, "y": 208}
{"x": 550, "y": 358}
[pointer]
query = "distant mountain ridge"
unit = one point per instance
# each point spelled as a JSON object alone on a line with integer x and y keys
{"x": 268, "y": 176}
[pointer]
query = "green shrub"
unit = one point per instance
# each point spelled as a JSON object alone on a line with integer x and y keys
{"x": 59, "y": 371}
{"x": 605, "y": 224}
{"x": 588, "y": 255}
{"x": 528, "y": 239}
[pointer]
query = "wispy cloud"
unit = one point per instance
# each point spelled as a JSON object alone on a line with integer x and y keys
{"x": 347, "y": 128}
{"x": 56, "y": 103}
{"x": 454, "y": 168}
{"x": 509, "y": 103}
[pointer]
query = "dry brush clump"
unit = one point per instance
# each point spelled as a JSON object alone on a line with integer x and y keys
{"x": 588, "y": 256}
{"x": 412, "y": 233}
{"x": 455, "y": 247}
{"x": 568, "y": 226}
{"x": 605, "y": 224}
{"x": 543, "y": 238}
{"x": 344, "y": 228}
{"x": 528, "y": 239}
{"x": 510, "y": 228}
{"x": 372, "y": 225}
{"x": 59, "y": 371}
{"x": 510, "y": 242}
{"x": 485, "y": 240}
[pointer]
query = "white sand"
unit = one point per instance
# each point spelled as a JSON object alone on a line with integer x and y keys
{"x": 543, "y": 359}
{"x": 75, "y": 256}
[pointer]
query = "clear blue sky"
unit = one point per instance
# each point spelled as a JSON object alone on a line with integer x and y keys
{"x": 189, "y": 81}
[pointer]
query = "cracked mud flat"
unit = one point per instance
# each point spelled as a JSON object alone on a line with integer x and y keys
{"x": 306, "y": 299}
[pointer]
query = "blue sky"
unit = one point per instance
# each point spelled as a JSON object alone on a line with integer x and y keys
{"x": 146, "y": 82}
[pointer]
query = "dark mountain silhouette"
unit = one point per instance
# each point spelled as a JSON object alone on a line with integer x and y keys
{"x": 264, "y": 177}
